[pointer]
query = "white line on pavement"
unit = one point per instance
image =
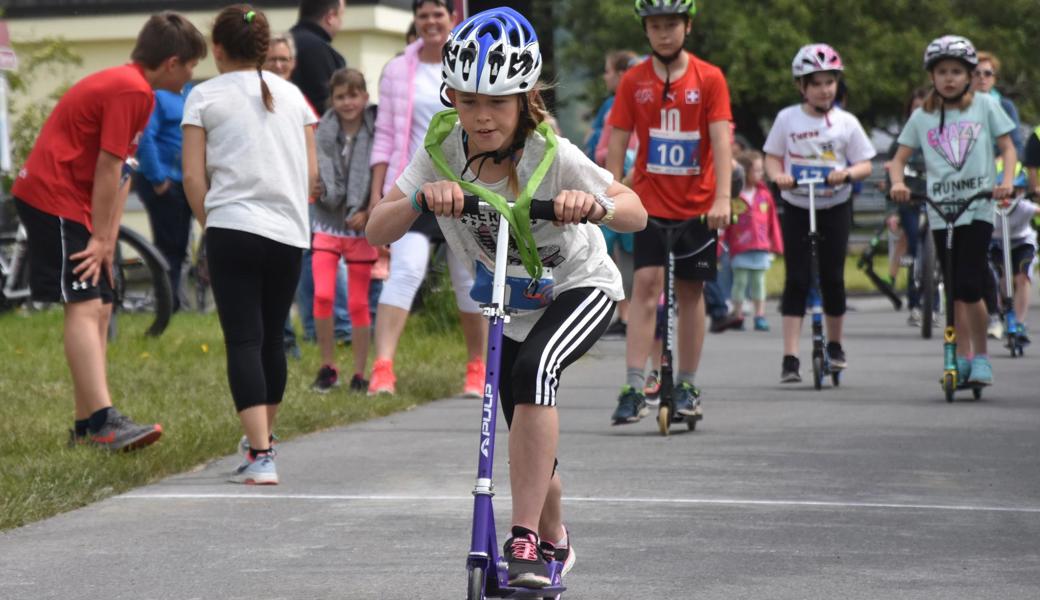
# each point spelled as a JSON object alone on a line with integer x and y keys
{"x": 676, "y": 501}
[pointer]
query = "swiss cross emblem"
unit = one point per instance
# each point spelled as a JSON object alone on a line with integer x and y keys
{"x": 693, "y": 96}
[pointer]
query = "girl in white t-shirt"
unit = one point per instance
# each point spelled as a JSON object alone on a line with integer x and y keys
{"x": 249, "y": 162}
{"x": 816, "y": 138}
{"x": 497, "y": 139}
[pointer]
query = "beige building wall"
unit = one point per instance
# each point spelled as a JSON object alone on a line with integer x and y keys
{"x": 370, "y": 37}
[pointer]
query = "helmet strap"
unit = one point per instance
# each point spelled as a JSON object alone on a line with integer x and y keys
{"x": 499, "y": 156}
{"x": 951, "y": 100}
{"x": 667, "y": 60}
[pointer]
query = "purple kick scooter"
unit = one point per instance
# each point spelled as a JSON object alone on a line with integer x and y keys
{"x": 488, "y": 570}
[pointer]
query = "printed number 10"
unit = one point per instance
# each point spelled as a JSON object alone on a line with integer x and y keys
{"x": 673, "y": 155}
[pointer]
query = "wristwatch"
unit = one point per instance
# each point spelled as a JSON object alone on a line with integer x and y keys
{"x": 608, "y": 205}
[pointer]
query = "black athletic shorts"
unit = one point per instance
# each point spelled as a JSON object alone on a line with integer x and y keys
{"x": 52, "y": 240}
{"x": 1023, "y": 259}
{"x": 695, "y": 249}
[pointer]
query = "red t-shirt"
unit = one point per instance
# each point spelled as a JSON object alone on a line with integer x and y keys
{"x": 674, "y": 172}
{"x": 104, "y": 111}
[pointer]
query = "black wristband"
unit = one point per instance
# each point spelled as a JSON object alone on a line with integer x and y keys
{"x": 848, "y": 177}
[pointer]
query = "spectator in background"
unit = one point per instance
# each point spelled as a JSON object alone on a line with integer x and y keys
{"x": 984, "y": 79}
{"x": 281, "y": 60}
{"x": 617, "y": 63}
{"x": 159, "y": 184}
{"x": 409, "y": 96}
{"x": 411, "y": 36}
{"x": 316, "y": 59}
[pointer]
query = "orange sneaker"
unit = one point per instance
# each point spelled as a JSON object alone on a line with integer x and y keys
{"x": 383, "y": 379}
{"x": 474, "y": 386}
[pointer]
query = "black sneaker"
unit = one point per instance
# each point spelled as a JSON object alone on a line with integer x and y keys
{"x": 77, "y": 440}
{"x": 328, "y": 378}
{"x": 616, "y": 329}
{"x": 631, "y": 407}
{"x": 527, "y": 566}
{"x": 789, "y": 370}
{"x": 121, "y": 433}
{"x": 358, "y": 383}
{"x": 563, "y": 555}
{"x": 836, "y": 356}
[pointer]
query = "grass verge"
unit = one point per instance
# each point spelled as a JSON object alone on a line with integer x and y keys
{"x": 180, "y": 381}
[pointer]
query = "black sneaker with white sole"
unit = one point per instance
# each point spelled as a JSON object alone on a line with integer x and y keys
{"x": 836, "y": 356}
{"x": 789, "y": 369}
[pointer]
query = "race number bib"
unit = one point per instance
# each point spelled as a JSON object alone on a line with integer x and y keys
{"x": 522, "y": 292}
{"x": 674, "y": 152}
{"x": 809, "y": 170}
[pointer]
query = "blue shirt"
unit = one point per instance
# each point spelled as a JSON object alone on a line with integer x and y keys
{"x": 159, "y": 152}
{"x": 597, "y": 127}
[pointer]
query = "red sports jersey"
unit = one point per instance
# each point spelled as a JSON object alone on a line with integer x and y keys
{"x": 674, "y": 173}
{"x": 104, "y": 111}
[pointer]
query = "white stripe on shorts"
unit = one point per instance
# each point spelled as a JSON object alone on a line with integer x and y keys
{"x": 64, "y": 261}
{"x": 572, "y": 332}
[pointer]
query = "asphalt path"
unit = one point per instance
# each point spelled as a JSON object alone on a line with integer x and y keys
{"x": 875, "y": 489}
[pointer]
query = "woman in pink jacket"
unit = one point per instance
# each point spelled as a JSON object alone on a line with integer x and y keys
{"x": 409, "y": 96}
{"x": 752, "y": 241}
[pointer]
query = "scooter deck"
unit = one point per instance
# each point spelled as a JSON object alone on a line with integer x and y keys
{"x": 515, "y": 592}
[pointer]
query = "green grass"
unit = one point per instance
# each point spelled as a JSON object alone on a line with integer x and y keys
{"x": 179, "y": 380}
{"x": 855, "y": 280}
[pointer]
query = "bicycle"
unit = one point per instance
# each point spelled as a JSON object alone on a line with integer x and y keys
{"x": 139, "y": 273}
{"x": 866, "y": 264}
{"x": 950, "y": 211}
{"x": 488, "y": 572}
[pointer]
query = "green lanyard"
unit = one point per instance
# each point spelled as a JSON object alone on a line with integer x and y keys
{"x": 519, "y": 214}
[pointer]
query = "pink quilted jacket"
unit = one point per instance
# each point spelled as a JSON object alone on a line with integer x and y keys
{"x": 394, "y": 122}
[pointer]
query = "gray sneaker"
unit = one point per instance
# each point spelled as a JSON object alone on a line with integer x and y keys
{"x": 631, "y": 407}
{"x": 687, "y": 400}
{"x": 121, "y": 433}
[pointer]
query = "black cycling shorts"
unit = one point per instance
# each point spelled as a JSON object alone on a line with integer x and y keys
{"x": 695, "y": 248}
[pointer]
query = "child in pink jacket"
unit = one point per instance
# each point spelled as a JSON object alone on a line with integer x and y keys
{"x": 752, "y": 241}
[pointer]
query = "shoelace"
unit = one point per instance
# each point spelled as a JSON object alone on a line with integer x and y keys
{"x": 524, "y": 548}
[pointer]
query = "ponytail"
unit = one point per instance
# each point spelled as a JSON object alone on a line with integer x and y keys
{"x": 533, "y": 113}
{"x": 245, "y": 35}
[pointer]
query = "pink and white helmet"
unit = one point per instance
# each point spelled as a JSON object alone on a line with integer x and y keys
{"x": 816, "y": 58}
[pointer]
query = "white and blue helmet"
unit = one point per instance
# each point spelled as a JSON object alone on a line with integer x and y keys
{"x": 494, "y": 52}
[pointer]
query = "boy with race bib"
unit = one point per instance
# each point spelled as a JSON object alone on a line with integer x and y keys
{"x": 561, "y": 282}
{"x": 678, "y": 107}
{"x": 816, "y": 139}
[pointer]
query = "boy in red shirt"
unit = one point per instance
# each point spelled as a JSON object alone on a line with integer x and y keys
{"x": 70, "y": 197}
{"x": 678, "y": 107}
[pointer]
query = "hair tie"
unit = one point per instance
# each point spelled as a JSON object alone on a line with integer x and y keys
{"x": 249, "y": 16}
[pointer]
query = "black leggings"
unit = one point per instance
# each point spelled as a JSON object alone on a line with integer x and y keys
{"x": 970, "y": 259}
{"x": 832, "y": 225}
{"x": 530, "y": 370}
{"x": 254, "y": 280}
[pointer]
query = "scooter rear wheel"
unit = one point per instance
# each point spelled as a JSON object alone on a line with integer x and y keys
{"x": 476, "y": 584}
{"x": 664, "y": 419}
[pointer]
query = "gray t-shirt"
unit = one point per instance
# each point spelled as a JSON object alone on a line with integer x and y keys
{"x": 573, "y": 256}
{"x": 256, "y": 160}
{"x": 959, "y": 159}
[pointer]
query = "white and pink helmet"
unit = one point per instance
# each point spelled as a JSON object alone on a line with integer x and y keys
{"x": 815, "y": 58}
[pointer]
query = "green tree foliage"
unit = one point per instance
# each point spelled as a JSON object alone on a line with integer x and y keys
{"x": 49, "y": 60}
{"x": 881, "y": 41}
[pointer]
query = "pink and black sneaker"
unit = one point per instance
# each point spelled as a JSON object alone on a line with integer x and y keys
{"x": 527, "y": 566}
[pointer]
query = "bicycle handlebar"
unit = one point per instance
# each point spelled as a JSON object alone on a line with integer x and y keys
{"x": 541, "y": 210}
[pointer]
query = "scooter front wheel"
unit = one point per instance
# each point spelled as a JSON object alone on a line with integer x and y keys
{"x": 949, "y": 386}
{"x": 664, "y": 418}
{"x": 476, "y": 584}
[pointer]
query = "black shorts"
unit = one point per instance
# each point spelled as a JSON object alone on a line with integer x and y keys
{"x": 1023, "y": 257}
{"x": 52, "y": 240}
{"x": 695, "y": 248}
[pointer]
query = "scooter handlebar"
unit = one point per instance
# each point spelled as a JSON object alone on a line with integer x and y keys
{"x": 541, "y": 210}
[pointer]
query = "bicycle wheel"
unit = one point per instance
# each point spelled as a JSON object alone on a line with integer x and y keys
{"x": 142, "y": 283}
{"x": 927, "y": 287}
